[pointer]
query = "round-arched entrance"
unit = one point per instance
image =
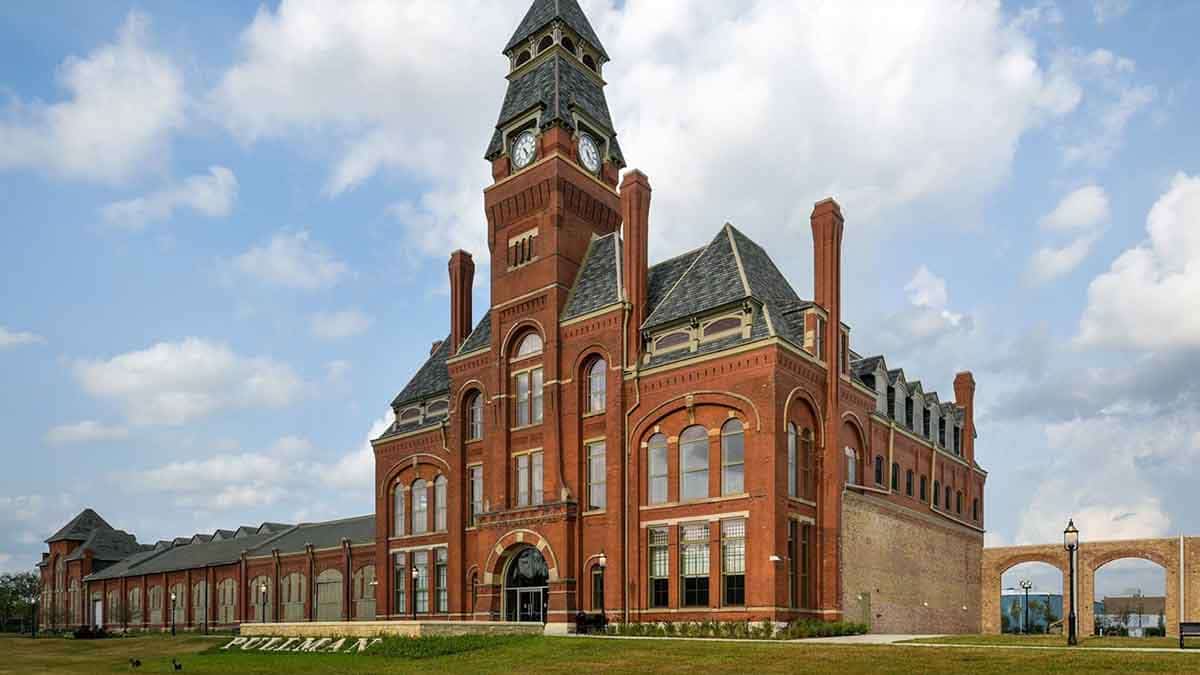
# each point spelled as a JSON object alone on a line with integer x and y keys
{"x": 526, "y": 586}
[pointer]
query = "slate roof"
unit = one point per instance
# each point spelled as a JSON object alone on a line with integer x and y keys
{"x": 597, "y": 284}
{"x": 481, "y": 337}
{"x": 359, "y": 530}
{"x": 187, "y": 556}
{"x": 542, "y": 12}
{"x": 557, "y": 85}
{"x": 107, "y": 544}
{"x": 80, "y": 527}
{"x": 432, "y": 378}
{"x": 661, "y": 278}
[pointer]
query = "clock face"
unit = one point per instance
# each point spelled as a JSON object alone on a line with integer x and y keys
{"x": 523, "y": 149}
{"x": 589, "y": 154}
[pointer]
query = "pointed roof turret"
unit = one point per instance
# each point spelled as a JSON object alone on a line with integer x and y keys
{"x": 80, "y": 527}
{"x": 544, "y": 12}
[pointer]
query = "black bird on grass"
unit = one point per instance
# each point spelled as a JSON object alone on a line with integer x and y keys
{"x": 135, "y": 663}
{"x": 178, "y": 666}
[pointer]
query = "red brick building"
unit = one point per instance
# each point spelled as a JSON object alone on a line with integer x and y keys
{"x": 688, "y": 440}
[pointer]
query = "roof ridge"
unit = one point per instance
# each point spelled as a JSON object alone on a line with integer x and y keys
{"x": 683, "y": 276}
{"x": 677, "y": 257}
{"x": 587, "y": 256}
{"x": 737, "y": 258}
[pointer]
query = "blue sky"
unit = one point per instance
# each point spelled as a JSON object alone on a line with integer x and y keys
{"x": 225, "y": 230}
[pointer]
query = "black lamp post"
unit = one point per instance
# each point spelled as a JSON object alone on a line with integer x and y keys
{"x": 1071, "y": 544}
{"x": 172, "y": 613}
{"x": 1025, "y": 585}
{"x": 263, "y": 589}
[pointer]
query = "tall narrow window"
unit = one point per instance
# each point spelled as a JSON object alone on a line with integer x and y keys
{"x": 733, "y": 562}
{"x": 733, "y": 458}
{"x": 879, "y": 469}
{"x": 535, "y": 477}
{"x": 476, "y": 480}
{"x": 791, "y": 460}
{"x": 819, "y": 338}
{"x": 441, "y": 579}
{"x": 949, "y": 492}
{"x": 891, "y": 402}
{"x": 597, "y": 378}
{"x": 596, "y": 472}
{"x": 421, "y": 581}
{"x": 475, "y": 417}
{"x": 851, "y": 466}
{"x": 693, "y": 564}
{"x": 660, "y": 556}
{"x": 529, "y": 478}
{"x": 535, "y": 396}
{"x": 522, "y": 480}
{"x": 937, "y": 493}
{"x": 656, "y": 451}
{"x": 693, "y": 463}
{"x": 806, "y": 463}
{"x": 399, "y": 495}
{"x": 420, "y": 506}
{"x": 925, "y": 422}
{"x": 805, "y": 531}
{"x": 958, "y": 502}
{"x": 439, "y": 504}
{"x": 975, "y": 509}
{"x": 908, "y": 483}
{"x": 399, "y": 583}
{"x": 792, "y": 561}
{"x": 895, "y": 476}
{"x": 957, "y": 440}
{"x": 942, "y": 431}
{"x": 522, "y": 399}
{"x": 908, "y": 412}
{"x": 924, "y": 490}
{"x": 597, "y": 588}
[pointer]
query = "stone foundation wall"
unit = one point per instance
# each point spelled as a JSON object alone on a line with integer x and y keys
{"x": 906, "y": 571}
{"x": 356, "y": 629}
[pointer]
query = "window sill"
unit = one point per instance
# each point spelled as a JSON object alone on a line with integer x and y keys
{"x": 689, "y": 502}
{"x": 524, "y": 427}
{"x": 594, "y": 512}
{"x": 594, "y": 413}
{"x": 802, "y": 500}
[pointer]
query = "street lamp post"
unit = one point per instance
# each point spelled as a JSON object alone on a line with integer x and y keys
{"x": 416, "y": 574}
{"x": 172, "y": 613}
{"x": 263, "y": 589}
{"x": 1071, "y": 544}
{"x": 1025, "y": 584}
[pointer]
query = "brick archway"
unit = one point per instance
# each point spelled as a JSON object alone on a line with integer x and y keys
{"x": 491, "y": 587}
{"x": 1092, "y": 556}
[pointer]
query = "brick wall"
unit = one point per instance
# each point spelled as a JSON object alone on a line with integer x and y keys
{"x": 907, "y": 572}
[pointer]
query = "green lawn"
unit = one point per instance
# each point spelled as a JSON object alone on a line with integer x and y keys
{"x": 576, "y": 656}
{"x": 1056, "y": 641}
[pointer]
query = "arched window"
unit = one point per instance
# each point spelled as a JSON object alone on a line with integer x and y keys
{"x": 851, "y": 466}
{"x": 135, "y": 605}
{"x": 879, "y": 469}
{"x": 546, "y": 43}
{"x": 656, "y": 451}
{"x": 589, "y": 61}
{"x": 924, "y": 489}
{"x": 568, "y": 44}
{"x": 958, "y": 502}
{"x": 676, "y": 339}
{"x": 949, "y": 492}
{"x": 908, "y": 483}
{"x": 398, "y": 499}
{"x": 227, "y": 602}
{"x": 792, "y": 440}
{"x": 474, "y": 591}
{"x": 291, "y": 593}
{"x": 439, "y": 504}
{"x": 261, "y": 593}
{"x": 733, "y": 458}
{"x": 420, "y": 506}
{"x": 895, "y": 476}
{"x": 363, "y": 592}
{"x": 437, "y": 408}
{"x": 693, "y": 463}
{"x": 722, "y": 325}
{"x": 530, "y": 344}
{"x": 523, "y": 57}
{"x": 475, "y": 416}
{"x": 806, "y": 463}
{"x": 329, "y": 595}
{"x": 597, "y": 385}
{"x": 937, "y": 493}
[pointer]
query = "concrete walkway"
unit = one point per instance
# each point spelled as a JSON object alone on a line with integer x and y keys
{"x": 867, "y": 639}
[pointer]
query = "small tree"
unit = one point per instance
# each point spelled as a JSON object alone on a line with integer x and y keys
{"x": 1014, "y": 611}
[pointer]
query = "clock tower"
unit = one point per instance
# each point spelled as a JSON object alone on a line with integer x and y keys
{"x": 555, "y": 157}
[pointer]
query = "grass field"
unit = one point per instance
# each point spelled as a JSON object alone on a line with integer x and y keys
{"x": 577, "y": 656}
{"x": 1057, "y": 641}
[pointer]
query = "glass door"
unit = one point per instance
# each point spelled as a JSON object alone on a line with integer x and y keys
{"x": 531, "y": 605}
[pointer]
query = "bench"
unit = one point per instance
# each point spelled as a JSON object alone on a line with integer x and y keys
{"x": 1188, "y": 629}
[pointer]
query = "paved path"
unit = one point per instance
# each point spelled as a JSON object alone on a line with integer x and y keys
{"x": 867, "y": 639}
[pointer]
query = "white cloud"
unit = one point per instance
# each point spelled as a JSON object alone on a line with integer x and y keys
{"x": 85, "y": 432}
{"x": 930, "y": 316}
{"x": 1107, "y": 10}
{"x": 1143, "y": 299}
{"x": 293, "y": 261}
{"x": 176, "y": 382}
{"x": 897, "y": 105}
{"x": 335, "y": 325}
{"x": 1050, "y": 263}
{"x": 9, "y": 338}
{"x": 124, "y": 100}
{"x": 356, "y": 470}
{"x": 1100, "y": 143}
{"x": 210, "y": 194}
{"x": 1081, "y": 209}
{"x": 336, "y": 370}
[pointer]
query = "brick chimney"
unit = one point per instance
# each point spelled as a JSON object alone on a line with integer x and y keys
{"x": 964, "y": 397}
{"x": 462, "y": 278}
{"x": 635, "y": 214}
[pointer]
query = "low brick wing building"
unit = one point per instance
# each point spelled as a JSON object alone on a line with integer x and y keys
{"x": 688, "y": 440}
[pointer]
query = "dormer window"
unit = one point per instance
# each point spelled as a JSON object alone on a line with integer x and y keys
{"x": 410, "y": 415}
{"x": 522, "y": 58}
{"x": 957, "y": 440}
{"x": 436, "y": 408}
{"x": 942, "y": 432}
{"x": 672, "y": 340}
{"x": 891, "y": 402}
{"x": 925, "y": 422}
{"x": 908, "y": 413}
{"x": 546, "y": 43}
{"x": 568, "y": 44}
{"x": 725, "y": 325}
{"x": 590, "y": 62}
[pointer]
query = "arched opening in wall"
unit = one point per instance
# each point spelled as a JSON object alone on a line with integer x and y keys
{"x": 1130, "y": 598}
{"x": 523, "y": 57}
{"x": 526, "y": 586}
{"x": 546, "y": 43}
{"x": 1031, "y": 598}
{"x": 568, "y": 44}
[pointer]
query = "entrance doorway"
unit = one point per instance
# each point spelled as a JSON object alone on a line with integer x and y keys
{"x": 98, "y": 613}
{"x": 526, "y": 587}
